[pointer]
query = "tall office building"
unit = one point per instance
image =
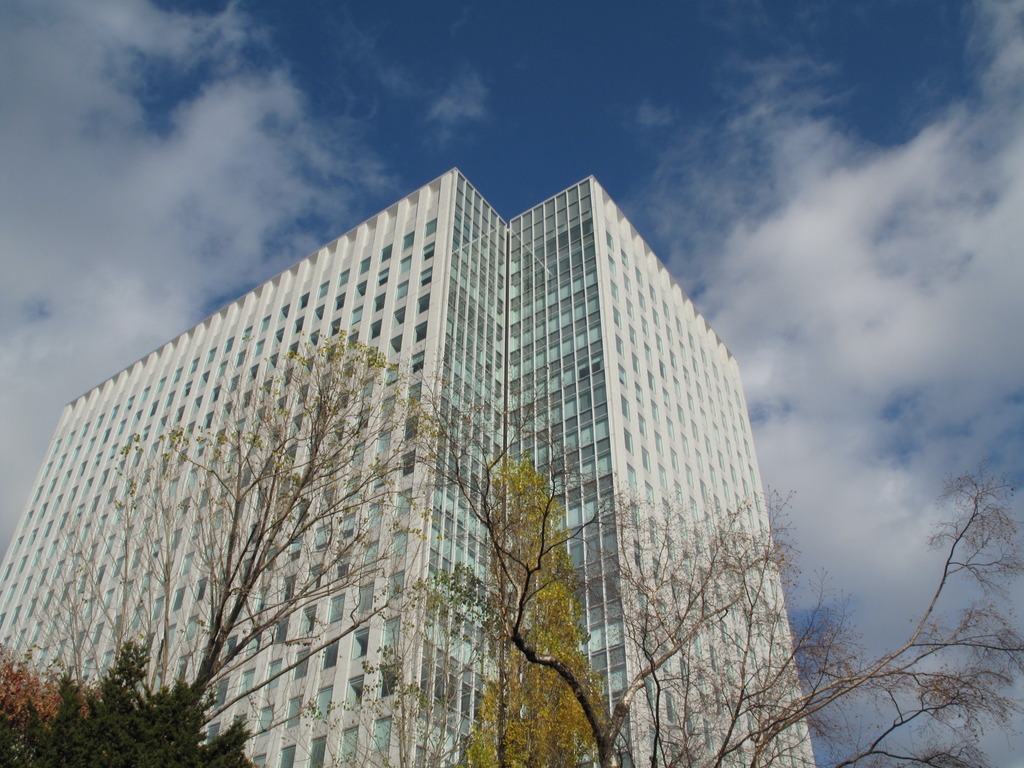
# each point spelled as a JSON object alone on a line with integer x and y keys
{"x": 563, "y": 313}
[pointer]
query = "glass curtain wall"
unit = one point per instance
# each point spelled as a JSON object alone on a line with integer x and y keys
{"x": 559, "y": 396}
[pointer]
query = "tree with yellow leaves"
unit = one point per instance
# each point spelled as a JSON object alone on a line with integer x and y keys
{"x": 529, "y": 717}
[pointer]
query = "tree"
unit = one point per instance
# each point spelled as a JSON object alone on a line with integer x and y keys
{"x": 446, "y": 665}
{"x": 723, "y": 676}
{"x": 712, "y": 672}
{"x": 25, "y": 694}
{"x": 953, "y": 675}
{"x": 718, "y": 675}
{"x": 527, "y": 717}
{"x": 229, "y": 539}
{"x": 431, "y": 661}
{"x": 526, "y": 541}
{"x": 120, "y": 721}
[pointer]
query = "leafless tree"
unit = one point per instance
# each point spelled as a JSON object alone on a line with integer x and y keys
{"x": 724, "y": 677}
{"x": 276, "y": 528}
{"x": 718, "y": 674}
{"x": 951, "y": 678}
{"x": 712, "y": 679}
{"x": 419, "y": 705}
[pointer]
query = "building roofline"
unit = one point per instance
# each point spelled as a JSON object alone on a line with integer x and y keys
{"x": 241, "y": 297}
{"x": 453, "y": 171}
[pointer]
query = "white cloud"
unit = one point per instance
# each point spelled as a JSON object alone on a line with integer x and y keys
{"x": 873, "y": 298}
{"x": 649, "y": 115}
{"x": 462, "y": 101}
{"x": 122, "y": 220}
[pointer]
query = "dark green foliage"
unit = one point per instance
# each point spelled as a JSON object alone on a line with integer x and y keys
{"x": 10, "y": 743}
{"x": 122, "y": 724}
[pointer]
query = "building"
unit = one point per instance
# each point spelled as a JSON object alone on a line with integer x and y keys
{"x": 564, "y": 305}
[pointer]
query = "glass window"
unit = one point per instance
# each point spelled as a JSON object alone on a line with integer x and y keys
{"x": 388, "y": 680}
{"x": 355, "y": 690}
{"x": 337, "y": 608}
{"x": 294, "y": 705}
{"x": 331, "y": 655}
{"x": 272, "y": 673}
{"x": 317, "y": 752}
{"x": 323, "y": 701}
{"x": 349, "y": 742}
{"x": 391, "y": 629}
{"x": 266, "y": 718}
{"x": 303, "y": 664}
{"x": 382, "y": 735}
{"x": 361, "y": 643}
{"x": 366, "y": 597}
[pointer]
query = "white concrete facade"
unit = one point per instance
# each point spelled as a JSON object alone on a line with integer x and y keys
{"x": 645, "y": 395}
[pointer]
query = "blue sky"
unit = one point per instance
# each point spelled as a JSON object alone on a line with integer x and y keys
{"x": 840, "y": 186}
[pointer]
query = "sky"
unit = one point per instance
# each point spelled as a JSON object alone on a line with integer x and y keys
{"x": 838, "y": 186}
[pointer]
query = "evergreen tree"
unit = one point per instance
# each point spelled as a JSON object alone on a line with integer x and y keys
{"x": 121, "y": 723}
